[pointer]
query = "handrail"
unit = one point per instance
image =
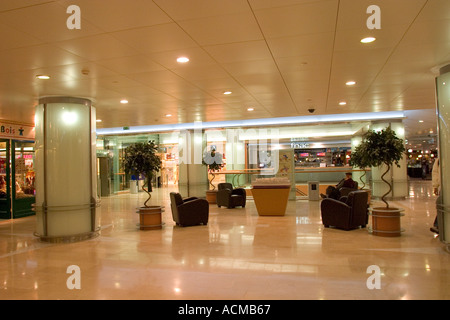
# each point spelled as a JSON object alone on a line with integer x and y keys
{"x": 309, "y": 170}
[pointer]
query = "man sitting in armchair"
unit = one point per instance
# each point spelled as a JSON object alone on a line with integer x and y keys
{"x": 334, "y": 193}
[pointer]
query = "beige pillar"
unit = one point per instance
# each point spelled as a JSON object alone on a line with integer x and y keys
{"x": 443, "y": 107}
{"x": 193, "y": 175}
{"x": 66, "y": 184}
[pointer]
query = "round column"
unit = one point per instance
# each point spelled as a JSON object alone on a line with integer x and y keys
{"x": 443, "y": 116}
{"x": 193, "y": 175}
{"x": 66, "y": 185}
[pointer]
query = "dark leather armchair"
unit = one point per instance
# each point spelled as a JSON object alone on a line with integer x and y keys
{"x": 189, "y": 211}
{"x": 348, "y": 213}
{"x": 229, "y": 197}
{"x": 346, "y": 190}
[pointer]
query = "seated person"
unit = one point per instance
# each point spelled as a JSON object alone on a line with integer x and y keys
{"x": 334, "y": 193}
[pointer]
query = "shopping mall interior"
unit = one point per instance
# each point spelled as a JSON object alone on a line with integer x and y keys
{"x": 283, "y": 91}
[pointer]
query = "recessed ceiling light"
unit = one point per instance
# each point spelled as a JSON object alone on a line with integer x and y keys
{"x": 168, "y": 115}
{"x": 342, "y": 103}
{"x": 368, "y": 40}
{"x": 227, "y": 92}
{"x": 250, "y": 109}
{"x": 350, "y": 83}
{"x": 42, "y": 77}
{"x": 420, "y": 121}
{"x": 124, "y": 101}
{"x": 99, "y": 120}
{"x": 183, "y": 59}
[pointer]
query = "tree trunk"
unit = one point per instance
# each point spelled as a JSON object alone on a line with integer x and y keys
{"x": 390, "y": 187}
{"x": 210, "y": 181}
{"x": 148, "y": 190}
{"x": 361, "y": 179}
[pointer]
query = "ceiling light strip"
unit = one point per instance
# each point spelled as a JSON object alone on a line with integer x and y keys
{"x": 255, "y": 122}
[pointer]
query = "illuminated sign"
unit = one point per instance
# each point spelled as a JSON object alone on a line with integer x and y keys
{"x": 16, "y": 131}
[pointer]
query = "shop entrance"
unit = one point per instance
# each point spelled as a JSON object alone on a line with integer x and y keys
{"x": 17, "y": 192}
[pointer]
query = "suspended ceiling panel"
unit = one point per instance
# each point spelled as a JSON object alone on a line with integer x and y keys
{"x": 279, "y": 57}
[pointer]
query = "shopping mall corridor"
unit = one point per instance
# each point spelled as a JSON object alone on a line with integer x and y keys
{"x": 238, "y": 255}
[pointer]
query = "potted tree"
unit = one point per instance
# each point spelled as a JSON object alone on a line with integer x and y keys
{"x": 141, "y": 159}
{"x": 214, "y": 162}
{"x": 360, "y": 160}
{"x": 382, "y": 149}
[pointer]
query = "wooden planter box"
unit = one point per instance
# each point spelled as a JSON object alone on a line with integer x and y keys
{"x": 150, "y": 218}
{"x": 386, "y": 222}
{"x": 211, "y": 196}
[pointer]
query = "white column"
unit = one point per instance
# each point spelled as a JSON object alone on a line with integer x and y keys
{"x": 235, "y": 153}
{"x": 193, "y": 175}
{"x": 66, "y": 184}
{"x": 443, "y": 110}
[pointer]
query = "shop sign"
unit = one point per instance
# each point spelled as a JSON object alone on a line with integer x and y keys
{"x": 16, "y": 131}
{"x": 299, "y": 145}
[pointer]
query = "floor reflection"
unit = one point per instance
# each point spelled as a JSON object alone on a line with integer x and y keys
{"x": 238, "y": 255}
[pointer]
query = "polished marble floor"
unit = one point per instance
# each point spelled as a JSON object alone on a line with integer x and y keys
{"x": 238, "y": 255}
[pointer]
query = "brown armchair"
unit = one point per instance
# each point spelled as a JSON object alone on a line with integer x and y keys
{"x": 351, "y": 213}
{"x": 344, "y": 191}
{"x": 229, "y": 197}
{"x": 189, "y": 211}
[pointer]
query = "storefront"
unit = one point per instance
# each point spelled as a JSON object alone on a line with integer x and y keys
{"x": 420, "y": 163}
{"x": 17, "y": 192}
{"x": 111, "y": 177}
{"x": 248, "y": 153}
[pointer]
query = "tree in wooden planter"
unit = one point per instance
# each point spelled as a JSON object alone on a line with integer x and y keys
{"x": 380, "y": 148}
{"x": 141, "y": 159}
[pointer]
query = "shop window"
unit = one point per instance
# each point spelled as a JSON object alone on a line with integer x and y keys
{"x": 24, "y": 170}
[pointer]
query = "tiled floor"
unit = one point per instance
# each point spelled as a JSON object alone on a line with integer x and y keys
{"x": 239, "y": 255}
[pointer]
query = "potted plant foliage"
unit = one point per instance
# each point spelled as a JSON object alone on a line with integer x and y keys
{"x": 141, "y": 159}
{"x": 382, "y": 148}
{"x": 214, "y": 162}
{"x": 358, "y": 159}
